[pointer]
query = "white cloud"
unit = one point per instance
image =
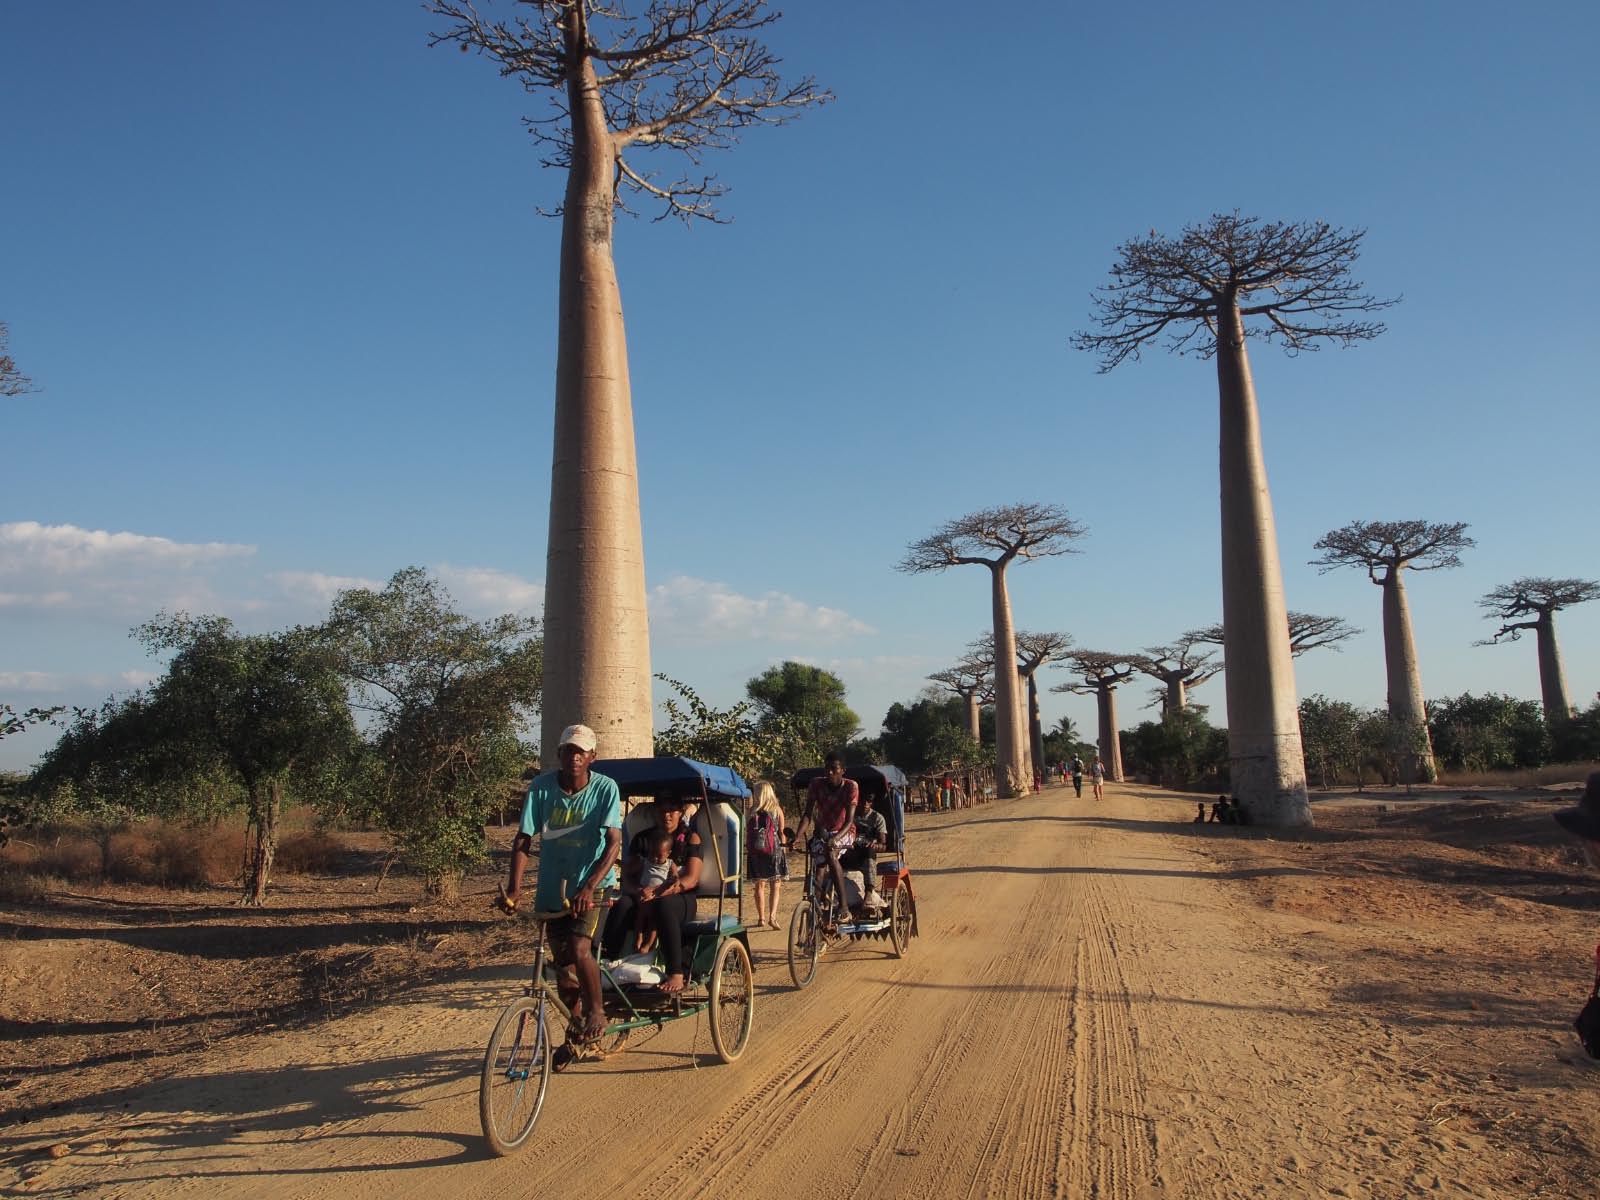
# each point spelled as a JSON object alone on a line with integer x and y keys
{"x": 689, "y": 609}
{"x": 489, "y": 592}
{"x": 64, "y": 568}
{"x": 62, "y": 683}
{"x": 314, "y": 587}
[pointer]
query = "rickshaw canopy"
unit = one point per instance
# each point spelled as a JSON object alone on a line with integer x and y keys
{"x": 672, "y": 775}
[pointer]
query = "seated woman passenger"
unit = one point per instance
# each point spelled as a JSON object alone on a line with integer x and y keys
{"x": 673, "y": 900}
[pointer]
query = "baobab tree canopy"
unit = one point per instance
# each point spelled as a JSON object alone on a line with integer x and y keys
{"x": 1290, "y": 283}
{"x": 1533, "y": 597}
{"x": 1408, "y": 545}
{"x": 683, "y": 76}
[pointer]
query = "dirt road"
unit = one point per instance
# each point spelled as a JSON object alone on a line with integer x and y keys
{"x": 1094, "y": 1008}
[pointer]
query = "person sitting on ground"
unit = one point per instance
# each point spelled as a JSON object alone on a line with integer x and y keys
{"x": 577, "y": 816}
{"x": 872, "y": 835}
{"x": 650, "y": 875}
{"x": 830, "y": 811}
{"x": 1238, "y": 814}
{"x": 673, "y": 900}
{"x": 1219, "y": 810}
{"x": 1200, "y": 813}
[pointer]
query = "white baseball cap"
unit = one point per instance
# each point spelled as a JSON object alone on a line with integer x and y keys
{"x": 580, "y": 736}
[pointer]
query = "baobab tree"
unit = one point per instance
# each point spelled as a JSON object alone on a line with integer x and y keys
{"x": 1178, "y": 667}
{"x": 1201, "y": 293}
{"x": 681, "y": 76}
{"x": 1034, "y": 650}
{"x": 1386, "y": 550}
{"x": 1540, "y": 599}
{"x": 1007, "y": 534}
{"x": 1100, "y": 673}
{"x": 972, "y": 679}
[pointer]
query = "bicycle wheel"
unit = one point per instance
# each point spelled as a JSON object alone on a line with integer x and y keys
{"x": 900, "y": 919}
{"x": 516, "y": 1072}
{"x": 804, "y": 944}
{"x": 733, "y": 1000}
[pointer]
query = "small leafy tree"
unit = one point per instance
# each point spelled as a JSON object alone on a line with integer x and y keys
{"x": 445, "y": 698}
{"x": 1330, "y": 731}
{"x": 916, "y": 736}
{"x": 1180, "y": 750}
{"x": 733, "y": 737}
{"x": 810, "y": 699}
{"x": 250, "y": 709}
{"x": 1489, "y": 732}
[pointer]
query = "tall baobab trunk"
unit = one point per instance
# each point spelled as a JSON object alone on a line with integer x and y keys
{"x": 1025, "y": 730}
{"x": 1177, "y": 694}
{"x": 1267, "y": 764}
{"x": 1007, "y": 704}
{"x": 1110, "y": 738}
{"x": 1406, "y": 706}
{"x": 974, "y": 722}
{"x": 1552, "y": 679}
{"x": 1035, "y": 726}
{"x": 596, "y": 630}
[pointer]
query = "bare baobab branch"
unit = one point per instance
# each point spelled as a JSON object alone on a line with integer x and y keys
{"x": 1288, "y": 282}
{"x": 1307, "y": 631}
{"x": 681, "y": 75}
{"x": 12, "y": 381}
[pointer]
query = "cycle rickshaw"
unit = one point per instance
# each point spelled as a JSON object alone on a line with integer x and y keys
{"x": 720, "y": 981}
{"x": 822, "y": 917}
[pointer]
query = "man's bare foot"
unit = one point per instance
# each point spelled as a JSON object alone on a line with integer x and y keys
{"x": 672, "y": 985}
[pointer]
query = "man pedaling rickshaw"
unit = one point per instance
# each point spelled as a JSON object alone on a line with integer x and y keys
{"x": 831, "y": 806}
{"x": 577, "y": 816}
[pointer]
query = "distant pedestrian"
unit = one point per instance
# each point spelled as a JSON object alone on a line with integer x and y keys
{"x": 1097, "y": 774}
{"x": 1077, "y": 775}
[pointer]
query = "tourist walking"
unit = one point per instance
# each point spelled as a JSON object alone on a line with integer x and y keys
{"x": 1077, "y": 775}
{"x": 1097, "y": 775}
{"x": 767, "y": 864}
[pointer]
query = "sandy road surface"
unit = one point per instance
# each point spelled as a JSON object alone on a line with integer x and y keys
{"x": 1091, "y": 1011}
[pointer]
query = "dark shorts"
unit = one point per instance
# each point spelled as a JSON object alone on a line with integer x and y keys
{"x": 562, "y": 933}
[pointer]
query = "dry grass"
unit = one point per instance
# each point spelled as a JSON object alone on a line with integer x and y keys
{"x": 1550, "y": 775}
{"x": 162, "y": 854}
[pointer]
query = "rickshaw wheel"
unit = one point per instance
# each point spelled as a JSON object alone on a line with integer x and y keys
{"x": 804, "y": 944}
{"x": 900, "y": 918}
{"x": 516, "y": 1072}
{"x": 732, "y": 1000}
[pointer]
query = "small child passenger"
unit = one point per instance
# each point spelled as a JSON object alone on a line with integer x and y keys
{"x": 653, "y": 873}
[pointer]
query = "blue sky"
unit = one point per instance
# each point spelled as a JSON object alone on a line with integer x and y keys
{"x": 278, "y": 275}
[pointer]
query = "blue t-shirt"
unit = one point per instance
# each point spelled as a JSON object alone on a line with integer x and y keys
{"x": 571, "y": 832}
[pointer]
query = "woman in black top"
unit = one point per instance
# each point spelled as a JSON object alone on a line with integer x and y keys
{"x": 674, "y": 901}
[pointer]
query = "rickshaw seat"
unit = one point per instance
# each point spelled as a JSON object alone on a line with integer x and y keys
{"x": 727, "y": 923}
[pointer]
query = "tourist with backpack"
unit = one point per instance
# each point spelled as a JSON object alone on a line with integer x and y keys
{"x": 766, "y": 864}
